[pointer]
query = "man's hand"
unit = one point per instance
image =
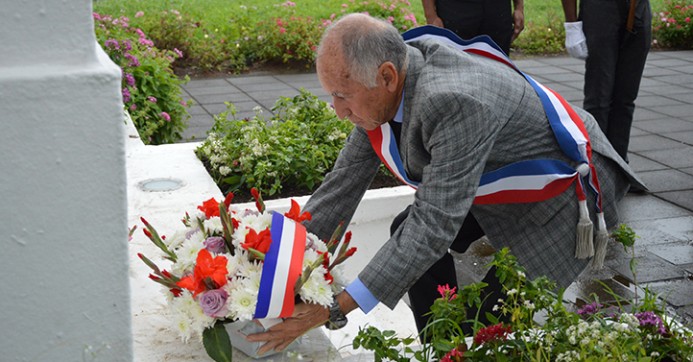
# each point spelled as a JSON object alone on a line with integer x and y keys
{"x": 304, "y": 318}
{"x": 518, "y": 22}
{"x": 575, "y": 42}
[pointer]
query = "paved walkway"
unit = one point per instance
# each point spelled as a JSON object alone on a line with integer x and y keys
{"x": 661, "y": 152}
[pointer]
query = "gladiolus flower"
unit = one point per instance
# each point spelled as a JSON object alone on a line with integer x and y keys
{"x": 209, "y": 273}
{"x": 295, "y": 213}
{"x": 260, "y": 242}
{"x": 228, "y": 199}
{"x": 210, "y": 208}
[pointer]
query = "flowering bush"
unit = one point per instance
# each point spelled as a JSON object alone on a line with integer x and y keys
{"x": 397, "y": 12}
{"x": 673, "y": 27}
{"x": 151, "y": 92}
{"x": 204, "y": 47}
{"x": 287, "y": 38}
{"x": 594, "y": 332}
{"x": 217, "y": 261}
{"x": 296, "y": 146}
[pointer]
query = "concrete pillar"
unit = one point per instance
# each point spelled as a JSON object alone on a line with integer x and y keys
{"x": 64, "y": 294}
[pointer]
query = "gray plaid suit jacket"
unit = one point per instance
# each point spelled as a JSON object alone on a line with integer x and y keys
{"x": 465, "y": 115}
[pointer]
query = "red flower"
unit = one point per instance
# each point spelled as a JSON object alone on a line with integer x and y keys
{"x": 446, "y": 292}
{"x": 209, "y": 273}
{"x": 260, "y": 242}
{"x": 295, "y": 213}
{"x": 326, "y": 264}
{"x": 228, "y": 199}
{"x": 491, "y": 334}
{"x": 210, "y": 208}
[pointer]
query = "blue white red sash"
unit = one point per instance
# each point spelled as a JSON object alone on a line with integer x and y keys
{"x": 283, "y": 265}
{"x": 521, "y": 182}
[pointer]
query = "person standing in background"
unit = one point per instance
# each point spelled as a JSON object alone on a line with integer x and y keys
{"x": 469, "y": 18}
{"x": 614, "y": 36}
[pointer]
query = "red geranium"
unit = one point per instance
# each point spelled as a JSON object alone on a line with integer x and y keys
{"x": 496, "y": 332}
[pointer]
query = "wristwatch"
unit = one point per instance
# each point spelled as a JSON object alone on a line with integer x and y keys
{"x": 337, "y": 318}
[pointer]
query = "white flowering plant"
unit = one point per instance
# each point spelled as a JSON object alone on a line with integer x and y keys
{"x": 215, "y": 264}
{"x": 623, "y": 331}
{"x": 292, "y": 149}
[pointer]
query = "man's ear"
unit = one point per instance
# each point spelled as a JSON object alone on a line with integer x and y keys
{"x": 388, "y": 76}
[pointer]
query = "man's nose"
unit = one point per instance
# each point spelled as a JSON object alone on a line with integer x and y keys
{"x": 340, "y": 108}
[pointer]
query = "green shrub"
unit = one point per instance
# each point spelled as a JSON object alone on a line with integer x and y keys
{"x": 673, "y": 27}
{"x": 151, "y": 92}
{"x": 297, "y": 146}
{"x": 547, "y": 36}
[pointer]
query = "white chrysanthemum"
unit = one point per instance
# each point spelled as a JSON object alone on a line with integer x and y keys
{"x": 340, "y": 281}
{"x": 185, "y": 308}
{"x": 249, "y": 220}
{"x": 187, "y": 254}
{"x": 313, "y": 242}
{"x": 174, "y": 241}
{"x": 241, "y": 302}
{"x": 316, "y": 289}
{"x": 310, "y": 257}
{"x": 213, "y": 225}
{"x": 181, "y": 323}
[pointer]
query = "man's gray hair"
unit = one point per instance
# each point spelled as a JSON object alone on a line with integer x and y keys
{"x": 367, "y": 46}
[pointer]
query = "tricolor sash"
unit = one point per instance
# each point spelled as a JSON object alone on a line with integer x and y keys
{"x": 524, "y": 181}
{"x": 283, "y": 265}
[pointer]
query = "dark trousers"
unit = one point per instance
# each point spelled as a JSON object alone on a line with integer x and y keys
{"x": 425, "y": 291}
{"x": 469, "y": 18}
{"x": 615, "y": 64}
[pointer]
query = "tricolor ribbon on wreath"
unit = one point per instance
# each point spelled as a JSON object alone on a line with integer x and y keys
{"x": 529, "y": 180}
{"x": 282, "y": 267}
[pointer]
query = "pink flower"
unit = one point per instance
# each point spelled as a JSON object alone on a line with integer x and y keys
{"x": 178, "y": 52}
{"x": 687, "y": 19}
{"x": 165, "y": 116}
{"x": 447, "y": 292}
{"x": 139, "y": 14}
{"x": 453, "y": 355}
{"x": 151, "y": 99}
{"x": 282, "y": 30}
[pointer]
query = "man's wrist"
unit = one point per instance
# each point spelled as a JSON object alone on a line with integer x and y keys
{"x": 337, "y": 318}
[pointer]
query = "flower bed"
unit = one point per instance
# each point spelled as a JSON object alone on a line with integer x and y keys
{"x": 638, "y": 330}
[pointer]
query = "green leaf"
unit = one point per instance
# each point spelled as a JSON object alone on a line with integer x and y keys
{"x": 217, "y": 343}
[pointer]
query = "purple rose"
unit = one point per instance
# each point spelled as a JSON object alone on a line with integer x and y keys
{"x": 213, "y": 302}
{"x": 215, "y": 244}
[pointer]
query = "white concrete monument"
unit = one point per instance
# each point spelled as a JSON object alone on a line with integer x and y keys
{"x": 64, "y": 294}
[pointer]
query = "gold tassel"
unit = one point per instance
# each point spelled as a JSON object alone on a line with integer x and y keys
{"x": 601, "y": 242}
{"x": 583, "y": 245}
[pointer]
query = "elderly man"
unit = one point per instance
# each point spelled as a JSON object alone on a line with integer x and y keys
{"x": 477, "y": 139}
